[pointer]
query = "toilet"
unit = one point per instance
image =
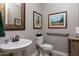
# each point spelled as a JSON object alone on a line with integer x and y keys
{"x": 43, "y": 48}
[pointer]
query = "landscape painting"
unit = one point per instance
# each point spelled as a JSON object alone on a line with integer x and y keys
{"x": 57, "y": 20}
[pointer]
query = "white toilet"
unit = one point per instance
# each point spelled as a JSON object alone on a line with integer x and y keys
{"x": 45, "y": 48}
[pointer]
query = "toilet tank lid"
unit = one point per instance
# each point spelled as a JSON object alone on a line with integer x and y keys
{"x": 38, "y": 35}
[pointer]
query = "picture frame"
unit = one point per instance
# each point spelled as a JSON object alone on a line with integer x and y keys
{"x": 57, "y": 20}
{"x": 37, "y": 20}
{"x": 17, "y": 22}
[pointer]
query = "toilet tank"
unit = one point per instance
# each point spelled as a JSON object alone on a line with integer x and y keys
{"x": 39, "y": 40}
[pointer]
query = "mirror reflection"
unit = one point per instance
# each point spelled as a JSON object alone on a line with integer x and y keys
{"x": 13, "y": 15}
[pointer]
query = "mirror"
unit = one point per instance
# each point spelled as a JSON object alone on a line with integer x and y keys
{"x": 14, "y": 16}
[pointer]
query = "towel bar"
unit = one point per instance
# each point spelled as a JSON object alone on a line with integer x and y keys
{"x": 58, "y": 34}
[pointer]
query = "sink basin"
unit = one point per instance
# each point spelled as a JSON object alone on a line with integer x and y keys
{"x": 18, "y": 45}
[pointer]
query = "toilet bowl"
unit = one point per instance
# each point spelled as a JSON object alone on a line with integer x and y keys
{"x": 45, "y": 47}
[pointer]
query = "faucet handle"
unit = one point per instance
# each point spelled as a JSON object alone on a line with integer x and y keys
{"x": 12, "y": 39}
{"x": 17, "y": 37}
{"x": 6, "y": 41}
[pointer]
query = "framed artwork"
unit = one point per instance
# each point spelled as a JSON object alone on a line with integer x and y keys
{"x": 57, "y": 20}
{"x": 17, "y": 22}
{"x": 37, "y": 20}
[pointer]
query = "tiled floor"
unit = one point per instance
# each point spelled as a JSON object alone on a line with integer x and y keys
{"x": 54, "y": 53}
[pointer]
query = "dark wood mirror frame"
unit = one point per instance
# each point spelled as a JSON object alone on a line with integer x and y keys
{"x": 9, "y": 27}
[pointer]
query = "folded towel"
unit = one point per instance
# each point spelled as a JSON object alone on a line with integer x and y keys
{"x": 2, "y": 32}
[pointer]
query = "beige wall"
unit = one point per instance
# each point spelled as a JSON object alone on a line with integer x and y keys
{"x": 60, "y": 43}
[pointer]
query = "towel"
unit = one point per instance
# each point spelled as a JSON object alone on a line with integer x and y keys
{"x": 2, "y": 32}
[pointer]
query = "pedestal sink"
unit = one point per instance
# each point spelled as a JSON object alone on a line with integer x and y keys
{"x": 17, "y": 46}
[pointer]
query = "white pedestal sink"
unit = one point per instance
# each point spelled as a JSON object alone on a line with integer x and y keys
{"x": 18, "y": 46}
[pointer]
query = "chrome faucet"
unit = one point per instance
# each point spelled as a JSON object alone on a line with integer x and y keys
{"x": 16, "y": 38}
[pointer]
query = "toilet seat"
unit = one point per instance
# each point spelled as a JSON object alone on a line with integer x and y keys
{"x": 46, "y": 46}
